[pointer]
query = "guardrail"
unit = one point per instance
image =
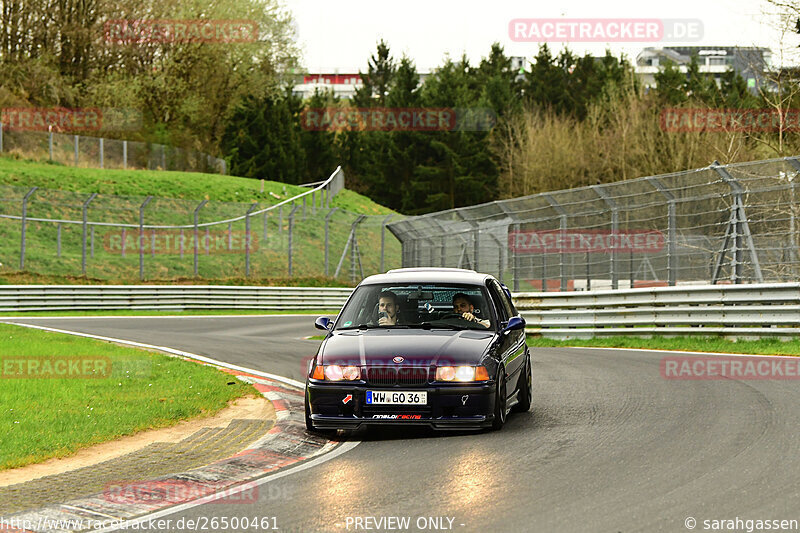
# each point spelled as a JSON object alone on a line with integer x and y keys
{"x": 734, "y": 310}
{"x": 754, "y": 310}
{"x": 166, "y": 297}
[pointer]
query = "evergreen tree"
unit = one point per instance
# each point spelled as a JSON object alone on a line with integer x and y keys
{"x": 319, "y": 146}
{"x": 670, "y": 84}
{"x": 699, "y": 86}
{"x": 262, "y": 139}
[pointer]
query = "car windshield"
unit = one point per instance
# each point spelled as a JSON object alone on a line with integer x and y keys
{"x": 418, "y": 306}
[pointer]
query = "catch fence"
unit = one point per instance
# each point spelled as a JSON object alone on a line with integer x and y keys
{"x": 721, "y": 224}
{"x": 111, "y": 237}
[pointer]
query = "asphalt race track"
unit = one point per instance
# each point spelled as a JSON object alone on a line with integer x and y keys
{"x": 609, "y": 446}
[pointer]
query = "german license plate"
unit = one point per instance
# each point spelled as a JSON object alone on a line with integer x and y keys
{"x": 379, "y": 397}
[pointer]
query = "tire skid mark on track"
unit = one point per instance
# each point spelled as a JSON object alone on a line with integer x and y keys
{"x": 286, "y": 444}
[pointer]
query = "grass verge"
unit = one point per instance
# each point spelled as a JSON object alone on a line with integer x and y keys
{"x": 687, "y": 344}
{"x": 44, "y": 417}
{"x": 17, "y": 277}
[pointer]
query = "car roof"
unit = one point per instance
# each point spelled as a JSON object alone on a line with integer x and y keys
{"x": 429, "y": 275}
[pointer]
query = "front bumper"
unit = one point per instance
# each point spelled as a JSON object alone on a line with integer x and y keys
{"x": 450, "y": 406}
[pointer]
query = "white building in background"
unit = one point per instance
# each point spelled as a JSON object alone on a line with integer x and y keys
{"x": 749, "y": 62}
{"x": 343, "y": 85}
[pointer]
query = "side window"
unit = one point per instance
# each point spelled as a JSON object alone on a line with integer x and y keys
{"x": 497, "y": 298}
{"x": 508, "y": 307}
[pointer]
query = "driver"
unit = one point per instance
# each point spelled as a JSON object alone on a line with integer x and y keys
{"x": 462, "y": 305}
{"x": 388, "y": 304}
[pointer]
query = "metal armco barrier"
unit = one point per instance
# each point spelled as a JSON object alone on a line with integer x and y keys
{"x": 167, "y": 297}
{"x": 757, "y": 310}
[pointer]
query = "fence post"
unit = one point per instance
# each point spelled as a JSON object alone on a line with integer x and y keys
{"x": 124, "y": 154}
{"x": 614, "y": 229}
{"x": 24, "y": 224}
{"x": 76, "y": 141}
{"x": 516, "y": 265}
{"x": 102, "y": 154}
{"x": 280, "y": 220}
{"x": 197, "y": 234}
{"x": 247, "y": 239}
{"x": 163, "y": 157}
{"x": 740, "y": 228}
{"x": 230, "y": 236}
{"x": 313, "y": 203}
{"x": 327, "y": 242}
{"x": 562, "y": 215}
{"x": 352, "y": 240}
{"x": 304, "y": 207}
{"x": 672, "y": 245}
{"x": 85, "y": 214}
{"x": 50, "y": 141}
{"x": 124, "y": 238}
{"x": 291, "y": 231}
{"x": 383, "y": 238}
{"x": 141, "y": 236}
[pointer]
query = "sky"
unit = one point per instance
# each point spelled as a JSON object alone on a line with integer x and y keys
{"x": 340, "y": 35}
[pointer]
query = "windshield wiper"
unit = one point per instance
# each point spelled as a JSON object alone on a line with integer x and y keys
{"x": 375, "y": 326}
{"x": 430, "y": 325}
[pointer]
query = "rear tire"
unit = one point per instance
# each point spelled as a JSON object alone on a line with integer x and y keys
{"x": 525, "y": 388}
{"x": 500, "y": 401}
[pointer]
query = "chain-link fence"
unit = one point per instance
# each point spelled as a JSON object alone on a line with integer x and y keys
{"x": 99, "y": 152}
{"x": 129, "y": 237}
{"x": 721, "y": 224}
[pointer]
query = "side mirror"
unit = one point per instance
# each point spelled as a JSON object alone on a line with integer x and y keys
{"x": 324, "y": 323}
{"x": 515, "y": 322}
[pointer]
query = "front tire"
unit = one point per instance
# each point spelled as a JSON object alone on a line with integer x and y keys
{"x": 500, "y": 400}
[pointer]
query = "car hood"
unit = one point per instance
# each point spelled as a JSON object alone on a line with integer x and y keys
{"x": 416, "y": 347}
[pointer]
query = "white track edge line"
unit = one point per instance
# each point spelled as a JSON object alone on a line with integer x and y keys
{"x": 126, "y": 524}
{"x": 173, "y": 351}
{"x": 339, "y": 450}
{"x": 669, "y": 351}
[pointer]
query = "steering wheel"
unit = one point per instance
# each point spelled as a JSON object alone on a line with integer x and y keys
{"x": 452, "y": 315}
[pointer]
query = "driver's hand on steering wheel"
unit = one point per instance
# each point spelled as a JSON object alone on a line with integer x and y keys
{"x": 469, "y": 317}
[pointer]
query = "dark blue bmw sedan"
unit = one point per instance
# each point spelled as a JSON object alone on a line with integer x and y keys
{"x": 432, "y": 346}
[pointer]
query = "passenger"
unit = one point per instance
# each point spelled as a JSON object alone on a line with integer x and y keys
{"x": 388, "y": 304}
{"x": 462, "y": 305}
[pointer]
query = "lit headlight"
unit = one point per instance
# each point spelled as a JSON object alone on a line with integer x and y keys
{"x": 462, "y": 373}
{"x": 339, "y": 373}
{"x": 465, "y": 373}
